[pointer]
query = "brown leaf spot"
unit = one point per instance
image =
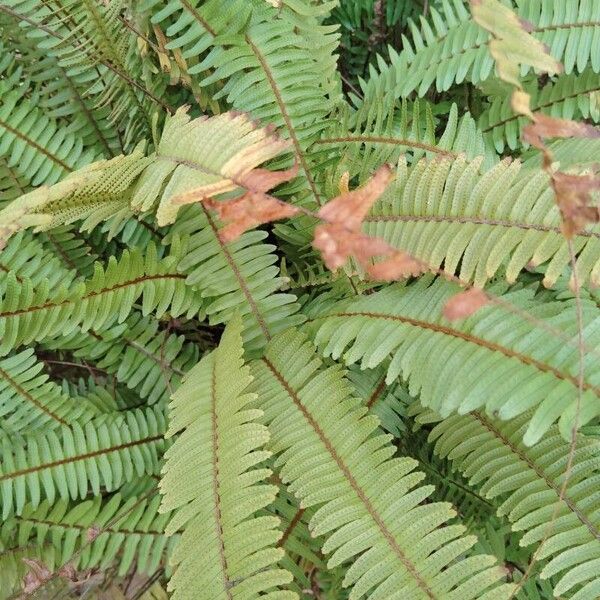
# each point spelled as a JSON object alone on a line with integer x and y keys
{"x": 337, "y": 244}
{"x": 37, "y": 575}
{"x": 263, "y": 180}
{"x": 92, "y": 533}
{"x": 398, "y": 266}
{"x": 574, "y": 198}
{"x": 247, "y": 212}
{"x": 350, "y": 208}
{"x": 465, "y": 303}
{"x": 549, "y": 127}
{"x": 529, "y": 28}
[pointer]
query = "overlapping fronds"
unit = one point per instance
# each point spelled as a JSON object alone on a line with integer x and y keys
{"x": 280, "y": 68}
{"x": 370, "y": 509}
{"x": 191, "y": 26}
{"x": 186, "y": 185}
{"x": 71, "y": 249}
{"x": 12, "y": 182}
{"x": 71, "y": 461}
{"x": 363, "y": 141}
{"x": 529, "y": 482}
{"x": 140, "y": 355}
{"x": 61, "y": 91}
{"x": 29, "y": 313}
{"x": 302, "y": 551}
{"x": 203, "y": 158}
{"x": 447, "y": 212}
{"x": 365, "y": 28}
{"x": 26, "y": 257}
{"x": 209, "y": 483}
{"x": 94, "y": 193}
{"x": 239, "y": 276}
{"x": 89, "y": 42}
{"x": 388, "y": 402}
{"x": 450, "y": 48}
{"x": 495, "y": 360}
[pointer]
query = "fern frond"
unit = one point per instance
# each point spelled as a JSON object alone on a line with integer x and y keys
{"x": 576, "y": 154}
{"x": 88, "y": 39}
{"x": 369, "y": 507}
{"x": 205, "y": 157}
{"x": 494, "y": 359}
{"x": 239, "y": 276}
{"x": 69, "y": 462}
{"x": 131, "y": 532}
{"x": 193, "y": 27}
{"x": 280, "y": 77}
{"x": 450, "y": 48}
{"x": 529, "y": 482}
{"x": 13, "y": 183}
{"x": 29, "y": 401}
{"x": 570, "y": 96}
{"x": 388, "y": 403}
{"x": 61, "y": 91}
{"x": 37, "y": 144}
{"x": 215, "y": 501}
{"x": 26, "y": 257}
{"x": 446, "y": 211}
{"x": 70, "y": 248}
{"x": 28, "y": 314}
{"x": 302, "y": 551}
{"x": 366, "y": 140}
{"x": 146, "y": 360}
{"x": 93, "y": 193}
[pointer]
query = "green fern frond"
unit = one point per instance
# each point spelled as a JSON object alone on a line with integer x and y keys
{"x": 280, "y": 77}
{"x": 87, "y": 39}
{"x": 569, "y": 97}
{"x": 239, "y": 276}
{"x": 37, "y": 144}
{"x": 130, "y": 531}
{"x": 216, "y": 501}
{"x": 368, "y": 511}
{"x": 145, "y": 359}
{"x": 26, "y": 257}
{"x": 388, "y": 403}
{"x": 30, "y": 314}
{"x": 70, "y": 248}
{"x": 450, "y": 48}
{"x": 193, "y": 27}
{"x": 29, "y": 401}
{"x": 529, "y": 482}
{"x": 69, "y": 462}
{"x": 302, "y": 551}
{"x": 447, "y": 212}
{"x": 13, "y": 183}
{"x": 93, "y": 193}
{"x": 61, "y": 91}
{"x": 494, "y": 359}
{"x": 573, "y": 154}
{"x": 370, "y": 138}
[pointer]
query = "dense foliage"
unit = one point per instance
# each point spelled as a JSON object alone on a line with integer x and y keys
{"x": 298, "y": 299}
